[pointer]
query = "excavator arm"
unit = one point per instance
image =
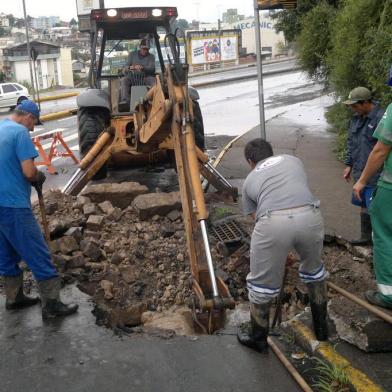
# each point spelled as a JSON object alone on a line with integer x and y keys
{"x": 165, "y": 122}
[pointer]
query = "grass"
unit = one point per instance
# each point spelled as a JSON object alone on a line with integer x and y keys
{"x": 331, "y": 378}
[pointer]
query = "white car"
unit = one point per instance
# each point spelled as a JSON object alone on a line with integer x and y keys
{"x": 11, "y": 94}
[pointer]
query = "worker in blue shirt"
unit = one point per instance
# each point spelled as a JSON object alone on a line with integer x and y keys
{"x": 366, "y": 115}
{"x": 20, "y": 235}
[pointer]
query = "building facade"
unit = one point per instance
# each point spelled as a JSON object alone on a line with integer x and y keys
{"x": 53, "y": 66}
{"x": 44, "y": 22}
{"x": 271, "y": 41}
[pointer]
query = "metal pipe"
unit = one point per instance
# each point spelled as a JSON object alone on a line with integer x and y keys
{"x": 259, "y": 71}
{"x": 372, "y": 309}
{"x": 291, "y": 369}
{"x": 68, "y": 184}
{"x": 209, "y": 258}
{"x": 213, "y": 170}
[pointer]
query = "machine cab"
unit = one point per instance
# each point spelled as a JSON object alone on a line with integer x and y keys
{"x": 116, "y": 35}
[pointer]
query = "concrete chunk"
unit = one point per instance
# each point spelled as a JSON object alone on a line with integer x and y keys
{"x": 65, "y": 245}
{"x": 357, "y": 326}
{"x": 94, "y": 222}
{"x": 156, "y": 204}
{"x": 120, "y": 195}
{"x": 90, "y": 209}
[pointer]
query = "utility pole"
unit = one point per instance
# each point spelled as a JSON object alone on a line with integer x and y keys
{"x": 28, "y": 48}
{"x": 259, "y": 71}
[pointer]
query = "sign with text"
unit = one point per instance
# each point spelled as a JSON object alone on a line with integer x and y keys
{"x": 213, "y": 46}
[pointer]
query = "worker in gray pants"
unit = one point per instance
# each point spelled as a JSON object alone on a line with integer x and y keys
{"x": 287, "y": 215}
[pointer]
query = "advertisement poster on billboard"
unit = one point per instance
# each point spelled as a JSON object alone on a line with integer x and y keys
{"x": 208, "y": 47}
{"x": 205, "y": 50}
{"x": 229, "y": 48}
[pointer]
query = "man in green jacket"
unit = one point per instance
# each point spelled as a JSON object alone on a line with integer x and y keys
{"x": 381, "y": 209}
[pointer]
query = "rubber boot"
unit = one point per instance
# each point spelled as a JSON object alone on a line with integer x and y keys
{"x": 15, "y": 299}
{"x": 366, "y": 231}
{"x": 50, "y": 297}
{"x": 254, "y": 334}
{"x": 318, "y": 304}
{"x": 374, "y": 298}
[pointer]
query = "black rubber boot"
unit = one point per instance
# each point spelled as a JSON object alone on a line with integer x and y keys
{"x": 318, "y": 304}
{"x": 373, "y": 297}
{"x": 366, "y": 231}
{"x": 254, "y": 334}
{"x": 15, "y": 299}
{"x": 50, "y": 297}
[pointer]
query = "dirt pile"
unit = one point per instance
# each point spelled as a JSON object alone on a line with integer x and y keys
{"x": 133, "y": 259}
{"x": 127, "y": 265}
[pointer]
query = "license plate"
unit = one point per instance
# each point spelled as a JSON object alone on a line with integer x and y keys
{"x": 134, "y": 15}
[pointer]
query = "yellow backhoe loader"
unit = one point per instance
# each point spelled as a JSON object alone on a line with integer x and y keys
{"x": 158, "y": 122}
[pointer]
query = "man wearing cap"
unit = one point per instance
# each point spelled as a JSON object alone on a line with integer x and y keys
{"x": 138, "y": 61}
{"x": 20, "y": 234}
{"x": 360, "y": 142}
{"x": 381, "y": 209}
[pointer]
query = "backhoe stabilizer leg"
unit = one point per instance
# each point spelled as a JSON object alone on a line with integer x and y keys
{"x": 97, "y": 156}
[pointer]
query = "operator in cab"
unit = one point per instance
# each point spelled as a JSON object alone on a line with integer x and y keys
{"x": 140, "y": 64}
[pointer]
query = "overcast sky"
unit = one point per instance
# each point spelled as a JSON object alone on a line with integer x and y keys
{"x": 207, "y": 10}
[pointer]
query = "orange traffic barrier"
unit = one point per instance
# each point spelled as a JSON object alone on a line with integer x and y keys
{"x": 57, "y": 138}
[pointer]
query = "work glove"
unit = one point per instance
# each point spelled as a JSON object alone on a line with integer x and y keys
{"x": 39, "y": 182}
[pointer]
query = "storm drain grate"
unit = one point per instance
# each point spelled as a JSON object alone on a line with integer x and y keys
{"x": 229, "y": 231}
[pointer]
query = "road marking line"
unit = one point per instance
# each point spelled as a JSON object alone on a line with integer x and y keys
{"x": 46, "y": 146}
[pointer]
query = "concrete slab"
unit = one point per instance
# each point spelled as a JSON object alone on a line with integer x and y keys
{"x": 76, "y": 355}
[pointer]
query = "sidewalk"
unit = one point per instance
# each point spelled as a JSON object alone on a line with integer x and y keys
{"x": 314, "y": 146}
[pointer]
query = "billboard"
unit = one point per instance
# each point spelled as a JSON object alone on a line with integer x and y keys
{"x": 213, "y": 46}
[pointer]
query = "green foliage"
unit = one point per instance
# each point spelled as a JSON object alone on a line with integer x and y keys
{"x": 289, "y": 21}
{"x": 338, "y": 116}
{"x": 352, "y": 22}
{"x": 377, "y": 55}
{"x": 332, "y": 378}
{"x": 314, "y": 39}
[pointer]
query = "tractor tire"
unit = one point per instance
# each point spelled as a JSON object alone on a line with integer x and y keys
{"x": 91, "y": 122}
{"x": 198, "y": 126}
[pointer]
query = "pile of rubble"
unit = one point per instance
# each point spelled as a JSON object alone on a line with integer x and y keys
{"x": 128, "y": 253}
{"x": 126, "y": 248}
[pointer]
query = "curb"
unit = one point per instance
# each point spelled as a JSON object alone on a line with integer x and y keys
{"x": 58, "y": 115}
{"x": 244, "y": 77}
{"x": 56, "y": 97}
{"x": 305, "y": 338}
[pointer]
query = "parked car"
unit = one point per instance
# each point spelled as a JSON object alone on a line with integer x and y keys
{"x": 11, "y": 94}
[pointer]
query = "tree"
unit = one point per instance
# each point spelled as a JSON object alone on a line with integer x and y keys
{"x": 182, "y": 24}
{"x": 73, "y": 22}
{"x": 289, "y": 21}
{"x": 11, "y": 20}
{"x": 350, "y": 38}
{"x": 3, "y": 32}
{"x": 314, "y": 40}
